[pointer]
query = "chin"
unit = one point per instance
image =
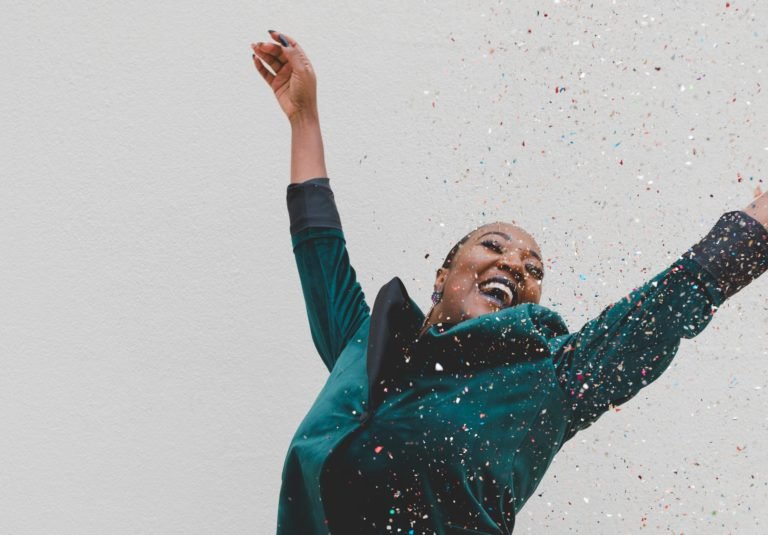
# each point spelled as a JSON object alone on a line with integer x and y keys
{"x": 481, "y": 309}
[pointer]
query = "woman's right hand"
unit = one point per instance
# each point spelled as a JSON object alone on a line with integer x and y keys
{"x": 294, "y": 82}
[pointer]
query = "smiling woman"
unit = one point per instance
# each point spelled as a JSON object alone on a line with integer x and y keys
{"x": 497, "y": 265}
{"x": 446, "y": 423}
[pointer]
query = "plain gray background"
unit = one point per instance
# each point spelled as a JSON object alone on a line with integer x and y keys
{"x": 156, "y": 357}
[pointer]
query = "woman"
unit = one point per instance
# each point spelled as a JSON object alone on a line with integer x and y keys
{"x": 446, "y": 423}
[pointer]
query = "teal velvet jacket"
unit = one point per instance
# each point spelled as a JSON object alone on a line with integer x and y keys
{"x": 452, "y": 432}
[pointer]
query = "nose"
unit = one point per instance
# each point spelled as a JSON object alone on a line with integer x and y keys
{"x": 513, "y": 264}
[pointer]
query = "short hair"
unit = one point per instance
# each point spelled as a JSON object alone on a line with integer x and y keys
{"x": 455, "y": 249}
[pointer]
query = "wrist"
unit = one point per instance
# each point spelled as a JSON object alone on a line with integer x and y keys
{"x": 304, "y": 119}
{"x": 758, "y": 210}
{"x": 307, "y": 154}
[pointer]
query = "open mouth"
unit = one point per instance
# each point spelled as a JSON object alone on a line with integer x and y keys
{"x": 500, "y": 291}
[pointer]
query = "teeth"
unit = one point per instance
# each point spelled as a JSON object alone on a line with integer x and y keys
{"x": 499, "y": 286}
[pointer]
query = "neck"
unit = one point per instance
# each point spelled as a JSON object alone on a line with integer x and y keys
{"x": 425, "y": 327}
{"x": 428, "y": 322}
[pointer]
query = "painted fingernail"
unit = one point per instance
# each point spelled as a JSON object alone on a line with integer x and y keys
{"x": 282, "y": 40}
{"x": 271, "y": 31}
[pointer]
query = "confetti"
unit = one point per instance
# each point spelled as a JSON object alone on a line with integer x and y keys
{"x": 447, "y": 428}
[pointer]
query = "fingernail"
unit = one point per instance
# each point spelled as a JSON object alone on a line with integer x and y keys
{"x": 282, "y": 40}
{"x": 271, "y": 31}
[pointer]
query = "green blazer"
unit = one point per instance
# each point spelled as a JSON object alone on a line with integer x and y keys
{"x": 452, "y": 432}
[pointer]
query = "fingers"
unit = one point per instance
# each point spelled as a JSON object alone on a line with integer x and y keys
{"x": 278, "y": 55}
{"x": 268, "y": 76}
{"x": 272, "y": 49}
{"x": 293, "y": 53}
{"x": 269, "y": 54}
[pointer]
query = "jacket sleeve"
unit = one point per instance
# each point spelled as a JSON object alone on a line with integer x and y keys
{"x": 632, "y": 342}
{"x": 334, "y": 300}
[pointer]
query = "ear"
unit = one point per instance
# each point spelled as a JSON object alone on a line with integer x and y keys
{"x": 442, "y": 274}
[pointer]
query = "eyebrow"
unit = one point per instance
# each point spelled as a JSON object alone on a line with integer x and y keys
{"x": 509, "y": 238}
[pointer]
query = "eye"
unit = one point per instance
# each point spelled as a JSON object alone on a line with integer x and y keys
{"x": 492, "y": 245}
{"x": 539, "y": 274}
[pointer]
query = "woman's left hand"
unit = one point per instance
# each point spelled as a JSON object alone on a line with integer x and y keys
{"x": 294, "y": 82}
{"x": 758, "y": 208}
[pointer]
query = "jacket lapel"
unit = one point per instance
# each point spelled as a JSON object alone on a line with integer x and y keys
{"x": 395, "y": 323}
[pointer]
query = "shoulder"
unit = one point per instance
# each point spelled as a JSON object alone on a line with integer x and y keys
{"x": 545, "y": 320}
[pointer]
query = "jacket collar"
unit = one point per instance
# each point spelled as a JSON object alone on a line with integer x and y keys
{"x": 516, "y": 334}
{"x": 395, "y": 322}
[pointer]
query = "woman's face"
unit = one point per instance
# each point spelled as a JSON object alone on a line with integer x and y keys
{"x": 499, "y": 266}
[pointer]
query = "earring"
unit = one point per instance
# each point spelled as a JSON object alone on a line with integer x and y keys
{"x": 436, "y": 296}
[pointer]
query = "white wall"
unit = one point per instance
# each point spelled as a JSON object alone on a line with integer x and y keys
{"x": 156, "y": 357}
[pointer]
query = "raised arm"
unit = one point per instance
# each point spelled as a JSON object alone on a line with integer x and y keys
{"x": 334, "y": 300}
{"x": 632, "y": 342}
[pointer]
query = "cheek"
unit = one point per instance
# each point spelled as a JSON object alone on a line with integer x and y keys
{"x": 463, "y": 284}
{"x": 533, "y": 287}
{"x": 464, "y": 294}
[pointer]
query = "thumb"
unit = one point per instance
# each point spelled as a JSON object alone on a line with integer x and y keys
{"x": 289, "y": 44}
{"x": 295, "y": 55}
